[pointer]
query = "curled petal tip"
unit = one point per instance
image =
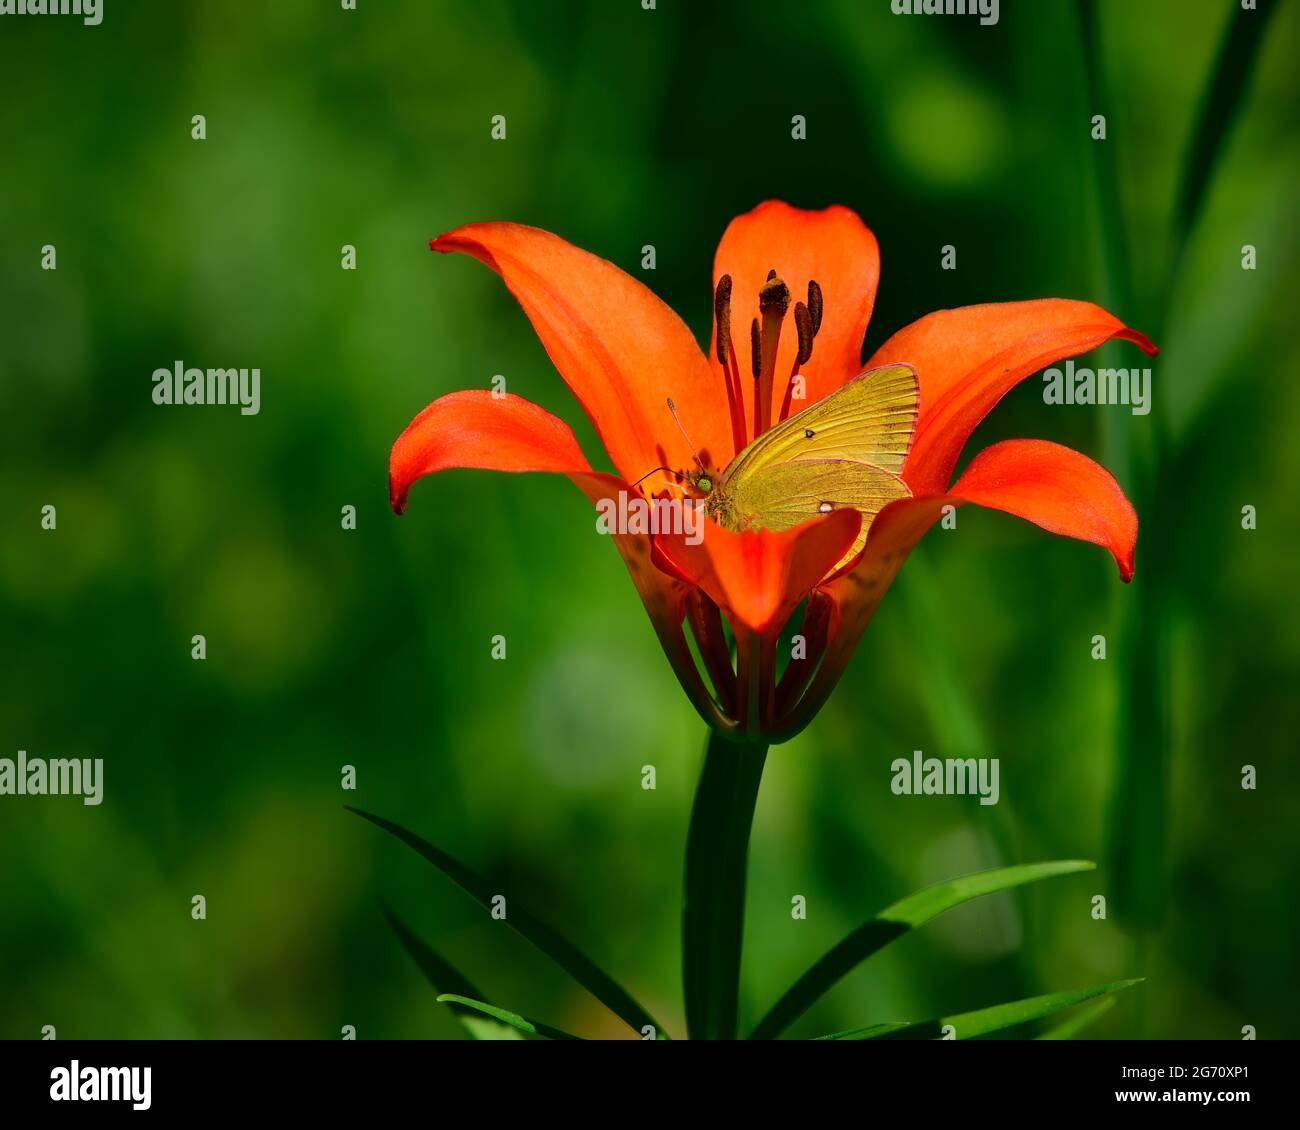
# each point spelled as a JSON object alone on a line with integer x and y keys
{"x": 1057, "y": 488}
{"x": 1138, "y": 338}
{"x": 396, "y": 498}
{"x": 472, "y": 428}
{"x": 397, "y": 487}
{"x": 448, "y": 241}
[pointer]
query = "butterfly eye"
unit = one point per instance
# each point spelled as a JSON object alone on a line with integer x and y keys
{"x": 704, "y": 483}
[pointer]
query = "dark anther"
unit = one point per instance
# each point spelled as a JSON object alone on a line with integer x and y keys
{"x": 756, "y": 347}
{"x": 775, "y": 297}
{"x": 722, "y": 316}
{"x": 803, "y": 325}
{"x": 771, "y": 274}
{"x": 815, "y": 305}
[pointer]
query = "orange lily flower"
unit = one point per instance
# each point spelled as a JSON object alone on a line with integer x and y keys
{"x": 624, "y": 353}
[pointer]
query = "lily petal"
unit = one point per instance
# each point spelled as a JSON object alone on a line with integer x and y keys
{"x": 1057, "y": 488}
{"x": 832, "y": 246}
{"x": 969, "y": 358}
{"x": 475, "y": 429}
{"x": 620, "y": 349}
{"x": 758, "y": 577}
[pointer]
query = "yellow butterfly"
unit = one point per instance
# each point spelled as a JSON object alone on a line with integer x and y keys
{"x": 845, "y": 450}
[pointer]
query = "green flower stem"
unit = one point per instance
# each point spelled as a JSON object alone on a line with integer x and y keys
{"x": 713, "y": 906}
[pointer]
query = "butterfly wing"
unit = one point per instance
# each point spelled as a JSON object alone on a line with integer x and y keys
{"x": 869, "y": 420}
{"x": 848, "y": 449}
{"x": 789, "y": 493}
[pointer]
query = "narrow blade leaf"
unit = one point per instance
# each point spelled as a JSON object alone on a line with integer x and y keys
{"x": 563, "y": 952}
{"x": 520, "y": 1023}
{"x": 1222, "y": 100}
{"x": 893, "y": 922}
{"x": 1070, "y": 1028}
{"x": 969, "y": 1025}
{"x": 445, "y": 978}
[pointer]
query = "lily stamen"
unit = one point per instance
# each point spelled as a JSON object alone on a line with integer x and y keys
{"x": 773, "y": 302}
{"x": 738, "y": 405}
{"x": 722, "y": 316}
{"x": 803, "y": 327}
{"x": 815, "y": 305}
{"x": 726, "y": 358}
{"x": 724, "y": 351}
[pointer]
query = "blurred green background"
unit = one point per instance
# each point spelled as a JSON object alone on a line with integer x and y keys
{"x": 371, "y": 648}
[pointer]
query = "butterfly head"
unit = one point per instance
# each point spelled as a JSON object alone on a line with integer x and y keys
{"x": 701, "y": 481}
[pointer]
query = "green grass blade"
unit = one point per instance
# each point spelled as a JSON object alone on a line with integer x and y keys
{"x": 1104, "y": 159}
{"x": 871, "y": 1032}
{"x": 970, "y": 1025}
{"x": 893, "y": 922}
{"x": 563, "y": 952}
{"x": 1223, "y": 98}
{"x": 446, "y": 978}
{"x": 1068, "y": 1029}
{"x": 520, "y": 1023}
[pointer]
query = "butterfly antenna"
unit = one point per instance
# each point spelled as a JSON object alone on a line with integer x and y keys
{"x": 652, "y": 471}
{"x": 673, "y": 409}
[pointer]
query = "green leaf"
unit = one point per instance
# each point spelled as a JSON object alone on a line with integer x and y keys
{"x": 563, "y": 952}
{"x": 1068, "y": 1029}
{"x": 521, "y": 1023}
{"x": 893, "y": 922}
{"x": 1104, "y": 160}
{"x": 445, "y": 978}
{"x": 1219, "y": 106}
{"x": 969, "y": 1025}
{"x": 871, "y": 1032}
{"x": 1138, "y": 833}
